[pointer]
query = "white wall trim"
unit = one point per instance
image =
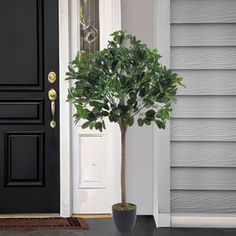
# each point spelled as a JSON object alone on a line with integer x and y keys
{"x": 65, "y": 134}
{"x": 207, "y": 220}
{"x": 161, "y": 138}
{"x": 163, "y": 220}
{"x": 116, "y": 145}
{"x": 116, "y": 14}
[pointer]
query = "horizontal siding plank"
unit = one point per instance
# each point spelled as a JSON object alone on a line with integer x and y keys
{"x": 203, "y": 130}
{"x": 203, "y": 154}
{"x": 204, "y": 107}
{"x": 203, "y": 202}
{"x": 203, "y": 58}
{"x": 208, "y": 82}
{"x": 203, "y": 178}
{"x": 203, "y": 35}
{"x": 203, "y": 11}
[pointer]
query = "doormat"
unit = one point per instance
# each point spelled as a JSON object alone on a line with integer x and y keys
{"x": 39, "y": 223}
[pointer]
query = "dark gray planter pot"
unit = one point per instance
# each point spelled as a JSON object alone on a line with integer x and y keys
{"x": 124, "y": 220}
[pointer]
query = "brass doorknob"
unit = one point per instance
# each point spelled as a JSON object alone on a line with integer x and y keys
{"x": 52, "y": 77}
{"x": 52, "y": 94}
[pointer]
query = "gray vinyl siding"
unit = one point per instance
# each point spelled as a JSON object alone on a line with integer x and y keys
{"x": 203, "y": 121}
{"x": 208, "y": 82}
{"x": 203, "y": 11}
{"x": 205, "y": 107}
{"x": 203, "y": 154}
{"x": 204, "y": 201}
{"x": 201, "y": 130}
{"x": 211, "y": 35}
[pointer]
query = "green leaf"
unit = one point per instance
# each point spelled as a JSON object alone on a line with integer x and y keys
{"x": 131, "y": 121}
{"x": 95, "y": 104}
{"x": 92, "y": 124}
{"x": 131, "y": 101}
{"x": 103, "y": 125}
{"x": 147, "y": 121}
{"x": 98, "y": 126}
{"x": 150, "y": 113}
{"x": 140, "y": 122}
{"x": 91, "y": 117}
{"x": 133, "y": 95}
{"x": 86, "y": 125}
{"x": 111, "y": 118}
{"x": 105, "y": 113}
{"x": 160, "y": 124}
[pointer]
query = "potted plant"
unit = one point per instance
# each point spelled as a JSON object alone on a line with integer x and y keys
{"x": 121, "y": 82}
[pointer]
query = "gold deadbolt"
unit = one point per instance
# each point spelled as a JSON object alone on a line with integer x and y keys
{"x": 52, "y": 77}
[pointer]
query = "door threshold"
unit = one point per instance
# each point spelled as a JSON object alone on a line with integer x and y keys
{"x": 30, "y": 215}
{"x": 93, "y": 216}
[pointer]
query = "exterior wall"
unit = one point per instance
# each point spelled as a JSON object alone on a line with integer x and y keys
{"x": 137, "y": 18}
{"x": 203, "y": 126}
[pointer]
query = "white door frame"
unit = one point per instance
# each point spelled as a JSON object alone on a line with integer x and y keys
{"x": 161, "y": 138}
{"x": 68, "y": 44}
{"x": 65, "y": 134}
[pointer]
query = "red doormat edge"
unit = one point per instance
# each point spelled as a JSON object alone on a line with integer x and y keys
{"x": 43, "y": 223}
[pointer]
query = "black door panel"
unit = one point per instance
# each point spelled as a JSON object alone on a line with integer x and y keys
{"x": 29, "y": 146}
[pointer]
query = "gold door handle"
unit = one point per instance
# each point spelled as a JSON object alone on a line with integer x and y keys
{"x": 52, "y": 95}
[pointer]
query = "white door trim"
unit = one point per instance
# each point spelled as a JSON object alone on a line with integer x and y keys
{"x": 161, "y": 138}
{"x": 68, "y": 38}
{"x": 65, "y": 117}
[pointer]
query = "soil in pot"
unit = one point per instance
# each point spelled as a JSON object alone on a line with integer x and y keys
{"x": 124, "y": 216}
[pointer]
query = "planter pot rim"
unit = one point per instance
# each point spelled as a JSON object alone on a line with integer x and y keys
{"x": 129, "y": 209}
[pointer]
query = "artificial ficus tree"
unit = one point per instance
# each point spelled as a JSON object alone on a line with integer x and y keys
{"x": 122, "y": 82}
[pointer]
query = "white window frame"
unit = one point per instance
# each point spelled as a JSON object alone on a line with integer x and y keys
{"x": 68, "y": 44}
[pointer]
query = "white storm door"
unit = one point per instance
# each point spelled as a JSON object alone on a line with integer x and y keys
{"x": 95, "y": 161}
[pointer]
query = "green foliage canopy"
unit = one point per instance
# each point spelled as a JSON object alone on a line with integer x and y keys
{"x": 119, "y": 82}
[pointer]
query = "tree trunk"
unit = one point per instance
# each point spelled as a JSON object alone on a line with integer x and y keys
{"x": 123, "y": 129}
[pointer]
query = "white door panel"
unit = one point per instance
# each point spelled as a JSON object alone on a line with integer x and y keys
{"x": 93, "y": 165}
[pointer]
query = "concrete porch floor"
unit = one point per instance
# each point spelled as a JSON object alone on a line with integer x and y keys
{"x": 104, "y": 227}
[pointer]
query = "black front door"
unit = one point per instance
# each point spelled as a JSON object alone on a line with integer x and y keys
{"x": 29, "y": 141}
